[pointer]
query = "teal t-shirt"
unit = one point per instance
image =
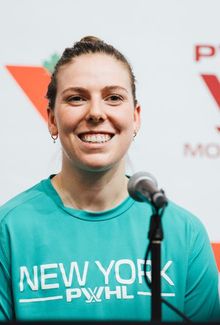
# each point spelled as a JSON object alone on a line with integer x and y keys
{"x": 59, "y": 263}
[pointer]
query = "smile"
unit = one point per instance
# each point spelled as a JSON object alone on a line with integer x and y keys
{"x": 95, "y": 138}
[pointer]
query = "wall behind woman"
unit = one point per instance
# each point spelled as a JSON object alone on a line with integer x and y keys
{"x": 174, "y": 48}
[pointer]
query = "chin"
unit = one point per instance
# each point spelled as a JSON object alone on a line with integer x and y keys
{"x": 96, "y": 168}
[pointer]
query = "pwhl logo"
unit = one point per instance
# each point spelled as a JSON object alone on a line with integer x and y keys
{"x": 203, "y": 54}
{"x": 34, "y": 82}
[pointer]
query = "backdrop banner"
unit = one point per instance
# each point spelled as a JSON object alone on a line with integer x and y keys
{"x": 174, "y": 48}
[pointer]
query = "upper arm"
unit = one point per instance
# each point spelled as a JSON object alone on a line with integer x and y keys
{"x": 6, "y": 309}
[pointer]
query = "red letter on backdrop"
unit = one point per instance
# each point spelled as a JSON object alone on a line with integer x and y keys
{"x": 213, "y": 84}
{"x": 204, "y": 51}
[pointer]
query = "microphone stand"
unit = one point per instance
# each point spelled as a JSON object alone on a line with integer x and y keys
{"x": 155, "y": 236}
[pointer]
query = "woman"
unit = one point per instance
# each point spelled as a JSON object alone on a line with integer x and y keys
{"x": 73, "y": 246}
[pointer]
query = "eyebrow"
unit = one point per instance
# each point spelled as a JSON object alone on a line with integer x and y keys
{"x": 84, "y": 90}
{"x": 114, "y": 88}
{"x": 77, "y": 89}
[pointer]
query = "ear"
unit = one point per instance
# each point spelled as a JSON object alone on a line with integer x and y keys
{"x": 52, "y": 125}
{"x": 137, "y": 117}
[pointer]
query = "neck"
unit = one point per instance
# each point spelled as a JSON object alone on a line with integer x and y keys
{"x": 92, "y": 191}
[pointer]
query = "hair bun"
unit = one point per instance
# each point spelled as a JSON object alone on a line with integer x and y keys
{"x": 90, "y": 39}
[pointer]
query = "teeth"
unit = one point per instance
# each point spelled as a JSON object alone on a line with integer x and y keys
{"x": 95, "y": 138}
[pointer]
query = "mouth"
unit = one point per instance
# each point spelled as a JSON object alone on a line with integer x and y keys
{"x": 95, "y": 137}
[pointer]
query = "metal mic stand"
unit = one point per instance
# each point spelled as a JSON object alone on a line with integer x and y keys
{"x": 155, "y": 236}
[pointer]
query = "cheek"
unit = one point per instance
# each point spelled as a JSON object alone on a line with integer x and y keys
{"x": 126, "y": 121}
{"x": 67, "y": 121}
{"x": 122, "y": 114}
{"x": 126, "y": 129}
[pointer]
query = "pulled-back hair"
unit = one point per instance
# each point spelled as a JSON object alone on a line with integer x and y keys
{"x": 86, "y": 45}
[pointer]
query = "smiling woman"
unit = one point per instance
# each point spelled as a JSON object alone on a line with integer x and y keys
{"x": 83, "y": 253}
{"x": 92, "y": 108}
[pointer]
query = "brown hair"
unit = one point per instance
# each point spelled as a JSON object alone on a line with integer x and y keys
{"x": 88, "y": 44}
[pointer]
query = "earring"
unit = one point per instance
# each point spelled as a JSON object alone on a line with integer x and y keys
{"x": 134, "y": 134}
{"x": 54, "y": 137}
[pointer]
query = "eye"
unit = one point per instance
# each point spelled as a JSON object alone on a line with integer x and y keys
{"x": 75, "y": 100}
{"x": 114, "y": 99}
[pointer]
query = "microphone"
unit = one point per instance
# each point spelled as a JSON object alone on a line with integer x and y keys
{"x": 142, "y": 186}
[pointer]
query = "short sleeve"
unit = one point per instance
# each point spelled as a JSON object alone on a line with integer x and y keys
{"x": 202, "y": 297}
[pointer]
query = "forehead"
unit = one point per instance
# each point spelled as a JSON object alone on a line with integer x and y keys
{"x": 89, "y": 69}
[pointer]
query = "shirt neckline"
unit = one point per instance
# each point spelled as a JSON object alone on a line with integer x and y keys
{"x": 86, "y": 215}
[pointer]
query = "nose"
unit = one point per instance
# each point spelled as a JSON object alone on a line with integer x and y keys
{"x": 95, "y": 113}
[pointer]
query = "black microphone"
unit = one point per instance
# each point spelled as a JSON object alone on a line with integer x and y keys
{"x": 142, "y": 186}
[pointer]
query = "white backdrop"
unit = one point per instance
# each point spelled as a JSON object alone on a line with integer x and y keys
{"x": 173, "y": 46}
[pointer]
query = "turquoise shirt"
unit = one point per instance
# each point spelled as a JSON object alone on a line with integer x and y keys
{"x": 59, "y": 263}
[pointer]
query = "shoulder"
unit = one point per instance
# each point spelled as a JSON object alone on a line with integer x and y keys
{"x": 173, "y": 215}
{"x": 187, "y": 228}
{"x": 22, "y": 200}
{"x": 178, "y": 214}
